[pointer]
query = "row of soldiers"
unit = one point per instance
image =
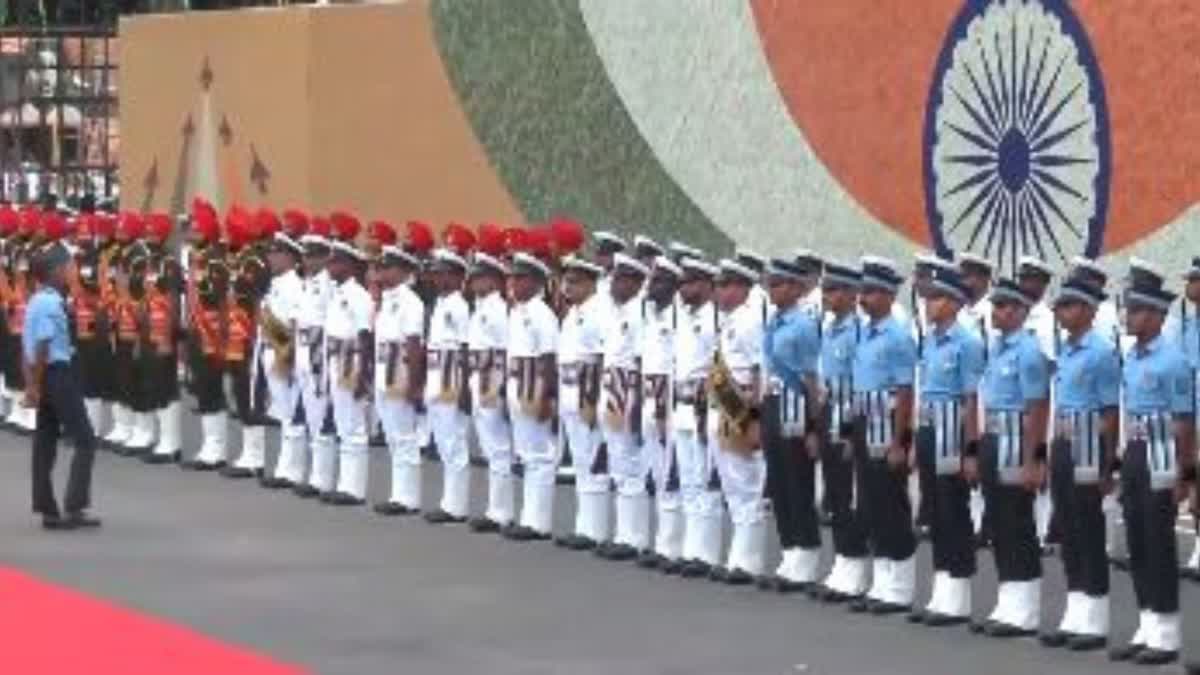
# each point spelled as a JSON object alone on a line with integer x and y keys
{"x": 678, "y": 390}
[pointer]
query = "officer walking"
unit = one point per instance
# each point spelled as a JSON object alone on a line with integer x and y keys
{"x": 53, "y": 390}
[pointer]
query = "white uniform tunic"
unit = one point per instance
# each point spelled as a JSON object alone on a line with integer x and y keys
{"x": 532, "y": 334}
{"x": 619, "y": 397}
{"x": 283, "y": 300}
{"x": 401, "y": 316}
{"x": 580, "y": 349}
{"x": 349, "y": 313}
{"x": 487, "y": 339}
{"x": 658, "y": 337}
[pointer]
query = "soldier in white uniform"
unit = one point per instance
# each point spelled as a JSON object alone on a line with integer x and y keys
{"x": 580, "y": 352}
{"x": 317, "y": 288}
{"x": 400, "y": 376}
{"x": 740, "y": 463}
{"x": 349, "y": 351}
{"x": 281, "y": 308}
{"x": 646, "y": 250}
{"x": 694, "y": 346}
{"x": 445, "y": 385}
{"x": 620, "y": 410}
{"x": 678, "y": 250}
{"x": 758, "y": 294}
{"x": 532, "y": 375}
{"x": 487, "y": 338}
{"x": 658, "y": 337}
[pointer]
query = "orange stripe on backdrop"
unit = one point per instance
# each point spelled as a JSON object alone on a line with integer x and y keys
{"x": 1149, "y": 54}
{"x": 50, "y": 629}
{"x": 855, "y": 75}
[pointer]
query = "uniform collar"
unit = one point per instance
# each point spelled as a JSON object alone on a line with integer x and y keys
{"x": 1150, "y": 347}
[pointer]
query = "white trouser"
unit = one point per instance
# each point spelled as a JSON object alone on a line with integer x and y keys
{"x": 350, "y": 418}
{"x": 531, "y": 440}
{"x": 659, "y": 450}
{"x": 743, "y": 479}
{"x": 695, "y": 468}
{"x": 449, "y": 426}
{"x": 292, "y": 464}
{"x": 284, "y": 391}
{"x": 495, "y": 442}
{"x": 169, "y": 441}
{"x": 627, "y": 463}
{"x": 584, "y": 441}
{"x": 399, "y": 422}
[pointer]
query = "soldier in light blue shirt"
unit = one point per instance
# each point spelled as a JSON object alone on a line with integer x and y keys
{"x": 1016, "y": 396}
{"x": 1157, "y": 472}
{"x": 947, "y": 441}
{"x": 791, "y": 346}
{"x": 1087, "y": 385}
{"x": 1187, "y": 335}
{"x": 841, "y": 334}
{"x": 884, "y": 366}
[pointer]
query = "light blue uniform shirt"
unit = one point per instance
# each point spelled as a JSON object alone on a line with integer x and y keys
{"x": 791, "y": 347}
{"x": 46, "y": 320}
{"x": 1186, "y": 334}
{"x": 885, "y": 358}
{"x": 1017, "y": 373}
{"x": 1088, "y": 375}
{"x": 837, "y": 348}
{"x": 952, "y": 363}
{"x": 1157, "y": 379}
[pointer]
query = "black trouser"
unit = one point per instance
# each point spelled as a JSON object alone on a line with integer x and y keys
{"x": 884, "y": 503}
{"x": 790, "y": 482}
{"x": 126, "y": 377}
{"x": 62, "y": 404}
{"x": 1081, "y": 522}
{"x": 847, "y": 526}
{"x": 949, "y": 499}
{"x": 1149, "y": 534}
{"x": 96, "y": 370}
{"x": 204, "y": 381}
{"x": 1015, "y": 547}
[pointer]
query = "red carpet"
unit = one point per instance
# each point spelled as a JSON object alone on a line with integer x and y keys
{"x": 49, "y": 630}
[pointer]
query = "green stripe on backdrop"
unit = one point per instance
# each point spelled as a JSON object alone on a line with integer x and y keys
{"x": 554, "y": 129}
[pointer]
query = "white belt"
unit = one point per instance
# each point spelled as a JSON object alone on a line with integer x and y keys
{"x": 1081, "y": 429}
{"x": 876, "y": 409}
{"x": 1155, "y": 432}
{"x": 944, "y": 419}
{"x": 1008, "y": 429}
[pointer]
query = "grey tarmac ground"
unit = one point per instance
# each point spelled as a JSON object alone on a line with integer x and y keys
{"x": 343, "y": 591}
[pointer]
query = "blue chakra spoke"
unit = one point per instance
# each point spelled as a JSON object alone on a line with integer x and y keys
{"x": 1042, "y": 126}
{"x": 1053, "y": 206}
{"x": 997, "y": 224}
{"x": 1003, "y": 77}
{"x": 972, "y": 160}
{"x": 1036, "y": 115}
{"x": 985, "y": 217}
{"x": 974, "y": 179}
{"x": 1036, "y": 88}
{"x": 1033, "y": 226}
{"x": 1045, "y": 222}
{"x": 996, "y": 100}
{"x": 1012, "y": 90}
{"x": 992, "y": 114}
{"x": 1049, "y": 141}
{"x": 1053, "y": 181}
{"x": 983, "y": 124}
{"x": 1023, "y": 94}
{"x": 980, "y": 141}
{"x": 1055, "y": 161}
{"x": 986, "y": 191}
{"x": 1022, "y": 223}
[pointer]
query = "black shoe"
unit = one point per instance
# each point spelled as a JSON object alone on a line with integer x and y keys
{"x": 276, "y": 483}
{"x": 880, "y": 608}
{"x": 327, "y": 497}
{"x": 523, "y": 533}
{"x": 237, "y": 472}
{"x": 483, "y": 525}
{"x": 718, "y": 574}
{"x": 832, "y": 597}
{"x": 305, "y": 491}
{"x": 650, "y": 560}
{"x": 939, "y": 620}
{"x": 1087, "y": 643}
{"x": 393, "y": 509}
{"x": 1155, "y": 657}
{"x": 81, "y": 520}
{"x": 56, "y": 523}
{"x": 156, "y": 458}
{"x": 671, "y": 567}
{"x": 1004, "y": 630}
{"x": 980, "y": 627}
{"x": 861, "y": 605}
{"x": 739, "y": 577}
{"x": 602, "y": 549}
{"x": 918, "y": 616}
{"x": 197, "y": 465}
{"x": 1056, "y": 638}
{"x": 440, "y": 517}
{"x": 1192, "y": 668}
{"x": 1125, "y": 653}
{"x": 575, "y": 542}
{"x": 345, "y": 499}
{"x": 621, "y": 553}
{"x": 694, "y": 569}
